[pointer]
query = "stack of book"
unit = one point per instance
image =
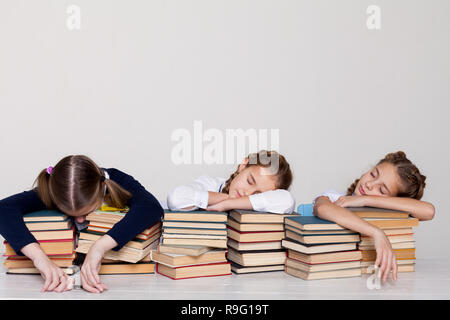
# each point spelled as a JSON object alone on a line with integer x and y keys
{"x": 193, "y": 244}
{"x": 55, "y": 233}
{"x": 133, "y": 257}
{"x": 254, "y": 241}
{"x": 397, "y": 225}
{"x": 320, "y": 249}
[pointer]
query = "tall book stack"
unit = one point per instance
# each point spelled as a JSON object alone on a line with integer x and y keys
{"x": 398, "y": 227}
{"x": 320, "y": 249}
{"x": 254, "y": 241}
{"x": 193, "y": 244}
{"x": 55, "y": 233}
{"x": 133, "y": 257}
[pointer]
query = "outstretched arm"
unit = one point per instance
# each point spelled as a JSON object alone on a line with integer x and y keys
{"x": 325, "y": 209}
{"x": 418, "y": 209}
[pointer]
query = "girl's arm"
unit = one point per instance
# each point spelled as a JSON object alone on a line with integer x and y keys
{"x": 201, "y": 193}
{"x": 232, "y": 203}
{"x": 15, "y": 232}
{"x": 55, "y": 279}
{"x": 274, "y": 201}
{"x": 327, "y": 210}
{"x": 145, "y": 210}
{"x": 418, "y": 209}
{"x": 12, "y": 226}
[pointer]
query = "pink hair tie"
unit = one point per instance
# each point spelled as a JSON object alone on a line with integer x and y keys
{"x": 49, "y": 170}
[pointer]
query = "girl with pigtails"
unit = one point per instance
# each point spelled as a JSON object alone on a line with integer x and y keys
{"x": 394, "y": 183}
{"x": 77, "y": 186}
{"x": 260, "y": 183}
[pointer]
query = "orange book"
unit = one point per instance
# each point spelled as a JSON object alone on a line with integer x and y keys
{"x": 50, "y": 247}
{"x": 25, "y": 262}
{"x": 401, "y": 254}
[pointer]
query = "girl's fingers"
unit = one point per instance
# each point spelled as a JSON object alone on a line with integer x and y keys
{"x": 62, "y": 285}
{"x": 87, "y": 286}
{"x": 91, "y": 276}
{"x": 382, "y": 265}
{"x": 394, "y": 267}
{"x": 378, "y": 260}
{"x": 54, "y": 281}
{"x": 92, "y": 279}
{"x": 47, "y": 279}
{"x": 388, "y": 266}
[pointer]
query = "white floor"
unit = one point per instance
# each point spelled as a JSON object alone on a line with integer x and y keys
{"x": 431, "y": 280}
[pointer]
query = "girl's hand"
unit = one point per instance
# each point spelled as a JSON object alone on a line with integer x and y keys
{"x": 232, "y": 203}
{"x": 55, "y": 279}
{"x": 221, "y": 206}
{"x": 90, "y": 280}
{"x": 386, "y": 258}
{"x": 352, "y": 201}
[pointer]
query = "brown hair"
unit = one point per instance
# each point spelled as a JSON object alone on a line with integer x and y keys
{"x": 76, "y": 182}
{"x": 283, "y": 174}
{"x": 413, "y": 181}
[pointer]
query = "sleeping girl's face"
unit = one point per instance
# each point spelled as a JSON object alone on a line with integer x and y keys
{"x": 381, "y": 180}
{"x": 251, "y": 180}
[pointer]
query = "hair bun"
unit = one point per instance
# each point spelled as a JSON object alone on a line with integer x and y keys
{"x": 396, "y": 156}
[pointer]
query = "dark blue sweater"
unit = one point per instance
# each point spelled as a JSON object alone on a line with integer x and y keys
{"x": 145, "y": 210}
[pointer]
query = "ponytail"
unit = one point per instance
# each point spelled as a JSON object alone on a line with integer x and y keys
{"x": 352, "y": 188}
{"x": 116, "y": 196}
{"x": 42, "y": 188}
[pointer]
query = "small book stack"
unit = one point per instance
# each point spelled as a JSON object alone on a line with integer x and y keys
{"x": 254, "y": 241}
{"x": 55, "y": 233}
{"x": 320, "y": 249}
{"x": 133, "y": 257}
{"x": 193, "y": 244}
{"x": 397, "y": 225}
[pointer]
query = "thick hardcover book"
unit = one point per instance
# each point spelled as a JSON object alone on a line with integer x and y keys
{"x": 238, "y": 269}
{"x": 312, "y": 223}
{"x": 44, "y": 215}
{"x": 250, "y": 216}
{"x": 194, "y": 224}
{"x": 205, "y": 216}
{"x": 317, "y": 248}
{"x": 257, "y": 258}
{"x": 197, "y": 271}
{"x": 323, "y": 238}
{"x": 254, "y": 236}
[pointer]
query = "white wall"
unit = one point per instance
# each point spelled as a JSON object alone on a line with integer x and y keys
{"x": 342, "y": 96}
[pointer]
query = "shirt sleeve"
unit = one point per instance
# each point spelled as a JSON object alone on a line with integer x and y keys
{"x": 333, "y": 195}
{"x": 194, "y": 194}
{"x": 274, "y": 201}
{"x": 12, "y": 226}
{"x": 145, "y": 209}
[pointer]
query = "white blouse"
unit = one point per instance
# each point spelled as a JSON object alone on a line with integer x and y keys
{"x": 196, "y": 194}
{"x": 333, "y": 195}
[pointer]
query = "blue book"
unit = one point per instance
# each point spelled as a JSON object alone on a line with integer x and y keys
{"x": 312, "y": 223}
{"x": 305, "y": 209}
